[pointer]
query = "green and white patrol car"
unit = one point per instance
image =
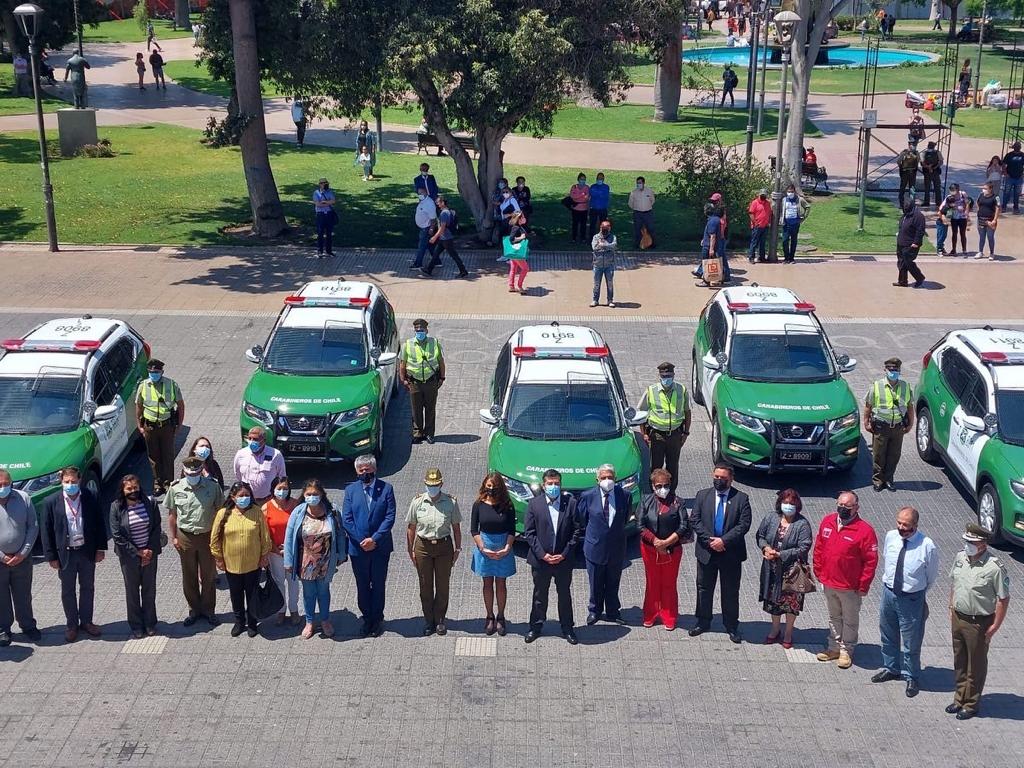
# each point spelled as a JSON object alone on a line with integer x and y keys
{"x": 67, "y": 391}
{"x": 772, "y": 384}
{"x": 326, "y": 373}
{"x": 557, "y": 402}
{"x": 970, "y": 415}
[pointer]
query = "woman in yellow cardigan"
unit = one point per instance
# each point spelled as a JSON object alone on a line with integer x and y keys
{"x": 240, "y": 543}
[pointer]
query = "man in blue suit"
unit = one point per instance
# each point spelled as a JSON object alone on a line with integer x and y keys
{"x": 368, "y": 514}
{"x": 603, "y": 512}
{"x": 427, "y": 181}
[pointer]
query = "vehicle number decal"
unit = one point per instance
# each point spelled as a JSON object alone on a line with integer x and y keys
{"x": 306, "y": 400}
{"x": 557, "y": 336}
{"x": 65, "y": 330}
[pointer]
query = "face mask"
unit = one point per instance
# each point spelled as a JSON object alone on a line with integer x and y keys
{"x": 254, "y": 445}
{"x": 971, "y": 550}
{"x": 421, "y": 196}
{"x": 366, "y": 477}
{"x": 501, "y": 185}
{"x": 721, "y": 484}
{"x": 155, "y": 376}
{"x": 193, "y": 479}
{"x": 243, "y": 502}
{"x": 606, "y": 485}
{"x": 71, "y": 489}
{"x": 433, "y": 491}
{"x": 581, "y": 180}
{"x": 791, "y": 196}
{"x": 661, "y": 493}
{"x": 892, "y": 375}
{"x": 600, "y": 180}
{"x": 553, "y": 491}
{"x": 133, "y": 495}
{"x": 667, "y": 381}
{"x": 281, "y": 493}
{"x": 521, "y": 184}
{"x": 788, "y": 509}
{"x": 845, "y": 513}
{"x": 312, "y": 499}
{"x": 421, "y": 335}
{"x": 639, "y": 185}
{"x": 202, "y": 452}
{"x": 507, "y": 195}
{"x": 5, "y": 491}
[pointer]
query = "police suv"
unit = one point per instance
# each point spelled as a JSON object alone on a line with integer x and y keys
{"x": 67, "y": 392}
{"x": 326, "y": 373}
{"x": 765, "y": 371}
{"x": 557, "y": 402}
{"x": 970, "y": 416}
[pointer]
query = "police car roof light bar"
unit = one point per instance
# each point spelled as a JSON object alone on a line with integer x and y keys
{"x": 23, "y": 345}
{"x": 1002, "y": 358}
{"x": 742, "y": 306}
{"x": 524, "y": 351}
{"x": 358, "y": 302}
{"x": 596, "y": 351}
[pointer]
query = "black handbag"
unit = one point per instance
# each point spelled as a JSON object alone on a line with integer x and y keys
{"x": 267, "y": 600}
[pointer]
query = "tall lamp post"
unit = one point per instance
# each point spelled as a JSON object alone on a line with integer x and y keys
{"x": 785, "y": 23}
{"x": 755, "y": 23}
{"x": 29, "y": 19}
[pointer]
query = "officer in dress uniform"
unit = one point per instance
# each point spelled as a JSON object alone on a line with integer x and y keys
{"x": 421, "y": 371}
{"x": 668, "y": 421}
{"x": 159, "y": 409}
{"x": 978, "y": 599}
{"x": 888, "y": 416}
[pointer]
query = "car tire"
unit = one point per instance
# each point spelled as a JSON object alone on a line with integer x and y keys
{"x": 91, "y": 482}
{"x": 716, "y": 441}
{"x": 924, "y": 437}
{"x": 378, "y": 446}
{"x": 990, "y": 513}
{"x": 695, "y": 392}
{"x": 394, "y": 388}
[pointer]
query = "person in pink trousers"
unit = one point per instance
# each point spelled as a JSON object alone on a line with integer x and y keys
{"x": 518, "y": 268}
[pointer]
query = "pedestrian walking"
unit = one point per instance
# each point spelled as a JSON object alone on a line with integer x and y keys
{"x": 937, "y": 24}
{"x": 916, "y": 129}
{"x": 19, "y": 529}
{"x": 151, "y": 37}
{"x": 421, "y": 370}
{"x": 600, "y": 200}
{"x": 74, "y": 538}
{"x": 713, "y": 242}
{"x": 957, "y": 207}
{"x": 135, "y": 529}
{"x": 863, "y": 29}
{"x": 191, "y": 504}
{"x": 434, "y": 541}
{"x": 911, "y": 565}
{"x": 444, "y": 239}
{"x": 298, "y": 110}
{"x": 784, "y": 538}
{"x": 888, "y": 416}
{"x": 979, "y": 598}
{"x": 365, "y": 161}
{"x": 156, "y": 64}
{"x": 326, "y": 218}
{"x": 664, "y": 529}
{"x": 760, "y": 211}
{"x": 795, "y": 210}
{"x": 994, "y": 172}
{"x": 579, "y": 194}
{"x": 493, "y": 528}
{"x": 426, "y": 180}
{"x": 1013, "y": 175}
{"x": 140, "y": 70}
{"x": 159, "y": 411}
{"x": 988, "y": 219}
{"x": 518, "y": 254}
{"x": 668, "y": 421}
{"x": 426, "y": 222}
{"x": 641, "y": 203}
{"x": 278, "y": 512}
{"x": 367, "y": 140}
{"x": 729, "y": 81}
{"x": 908, "y": 162}
{"x": 931, "y": 164}
{"x": 202, "y": 449}
{"x": 604, "y": 245}
{"x": 908, "y": 245}
{"x": 603, "y": 512}
{"x": 964, "y": 81}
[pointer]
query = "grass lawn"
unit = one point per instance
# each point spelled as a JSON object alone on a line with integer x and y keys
{"x": 981, "y": 123}
{"x": 164, "y": 187}
{"x": 20, "y": 105}
{"x": 188, "y": 75}
{"x": 127, "y": 31}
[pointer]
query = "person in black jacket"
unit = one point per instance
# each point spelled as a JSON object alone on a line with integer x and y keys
{"x": 74, "y": 535}
{"x": 908, "y": 245}
{"x": 720, "y": 518}
{"x": 552, "y": 533}
{"x": 664, "y": 528}
{"x": 135, "y": 529}
{"x": 784, "y": 538}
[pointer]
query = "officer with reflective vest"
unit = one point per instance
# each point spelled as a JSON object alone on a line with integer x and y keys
{"x": 421, "y": 371}
{"x": 888, "y": 416}
{"x": 668, "y": 421}
{"x": 159, "y": 409}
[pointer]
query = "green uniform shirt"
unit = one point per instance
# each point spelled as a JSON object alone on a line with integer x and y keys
{"x": 978, "y": 586}
{"x": 195, "y": 507}
{"x": 433, "y": 519}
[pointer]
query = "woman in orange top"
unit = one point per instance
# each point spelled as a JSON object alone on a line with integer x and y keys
{"x": 277, "y": 511}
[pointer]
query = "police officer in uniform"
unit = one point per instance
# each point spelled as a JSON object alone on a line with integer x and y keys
{"x": 421, "y": 371}
{"x": 888, "y": 416}
{"x": 159, "y": 410}
{"x": 931, "y": 164}
{"x": 668, "y": 421}
{"x": 978, "y": 599}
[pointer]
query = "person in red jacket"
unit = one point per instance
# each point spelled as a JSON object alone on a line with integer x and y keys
{"x": 845, "y": 558}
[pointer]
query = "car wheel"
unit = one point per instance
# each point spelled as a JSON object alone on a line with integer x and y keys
{"x": 91, "y": 482}
{"x": 378, "y": 446}
{"x": 394, "y": 387}
{"x": 990, "y": 515}
{"x": 695, "y": 392}
{"x": 716, "y": 441}
{"x": 925, "y": 439}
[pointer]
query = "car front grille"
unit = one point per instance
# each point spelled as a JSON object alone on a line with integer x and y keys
{"x": 303, "y": 425}
{"x": 806, "y": 434}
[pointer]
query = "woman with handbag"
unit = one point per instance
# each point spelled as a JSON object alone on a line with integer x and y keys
{"x": 664, "y": 528}
{"x": 517, "y": 250}
{"x": 135, "y": 528}
{"x": 785, "y": 539}
{"x": 240, "y": 544}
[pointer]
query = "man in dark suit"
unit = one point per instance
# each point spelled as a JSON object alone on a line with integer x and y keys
{"x": 720, "y": 518}
{"x": 74, "y": 538}
{"x": 368, "y": 514}
{"x": 551, "y": 530}
{"x": 427, "y": 181}
{"x": 603, "y": 512}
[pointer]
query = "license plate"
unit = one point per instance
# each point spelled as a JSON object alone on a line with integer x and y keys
{"x": 796, "y": 456}
{"x": 305, "y": 448}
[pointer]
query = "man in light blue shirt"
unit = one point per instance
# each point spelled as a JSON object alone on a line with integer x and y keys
{"x": 911, "y": 567}
{"x": 600, "y": 197}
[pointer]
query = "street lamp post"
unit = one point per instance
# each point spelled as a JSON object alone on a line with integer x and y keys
{"x": 763, "y": 30}
{"x": 29, "y": 17}
{"x": 785, "y": 23}
{"x": 752, "y": 84}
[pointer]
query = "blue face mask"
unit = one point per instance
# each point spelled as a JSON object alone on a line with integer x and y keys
{"x": 667, "y": 381}
{"x": 202, "y": 452}
{"x": 254, "y": 445}
{"x": 421, "y": 335}
{"x": 5, "y": 491}
{"x": 194, "y": 480}
{"x": 553, "y": 491}
{"x": 71, "y": 489}
{"x": 155, "y": 376}
{"x": 501, "y": 185}
{"x": 312, "y": 499}
{"x": 243, "y": 502}
{"x": 582, "y": 180}
{"x": 893, "y": 375}
{"x": 281, "y": 493}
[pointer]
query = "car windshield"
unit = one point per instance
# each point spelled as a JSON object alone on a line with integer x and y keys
{"x": 1010, "y": 407}
{"x": 570, "y": 411}
{"x": 40, "y": 405}
{"x": 333, "y": 350}
{"x": 780, "y": 356}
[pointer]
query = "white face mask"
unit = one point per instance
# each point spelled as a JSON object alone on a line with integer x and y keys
{"x": 606, "y": 485}
{"x": 661, "y": 493}
{"x": 971, "y": 550}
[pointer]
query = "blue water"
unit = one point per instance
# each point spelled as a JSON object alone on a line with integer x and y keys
{"x": 840, "y": 57}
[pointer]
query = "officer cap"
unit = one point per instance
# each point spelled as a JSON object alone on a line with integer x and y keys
{"x": 976, "y": 534}
{"x": 193, "y": 464}
{"x": 432, "y": 476}
{"x": 894, "y": 362}
{"x": 156, "y": 365}
{"x": 419, "y": 322}
{"x": 666, "y": 368}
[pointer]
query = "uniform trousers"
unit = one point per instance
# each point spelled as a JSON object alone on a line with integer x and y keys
{"x": 886, "y": 446}
{"x": 434, "y": 565}
{"x": 198, "y": 573}
{"x": 970, "y": 658}
{"x": 160, "y": 449}
{"x": 423, "y": 397}
{"x": 665, "y": 448}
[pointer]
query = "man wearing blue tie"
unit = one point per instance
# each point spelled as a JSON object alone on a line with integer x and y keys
{"x": 368, "y": 515}
{"x": 721, "y": 518}
{"x": 603, "y": 512}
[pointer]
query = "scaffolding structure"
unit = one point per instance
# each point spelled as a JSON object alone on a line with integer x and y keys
{"x": 1013, "y": 123}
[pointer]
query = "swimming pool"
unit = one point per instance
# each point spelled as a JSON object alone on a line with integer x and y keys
{"x": 839, "y": 57}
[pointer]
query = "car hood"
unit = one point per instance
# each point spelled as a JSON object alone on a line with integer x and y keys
{"x": 787, "y": 402}
{"x": 313, "y": 395}
{"x": 28, "y": 456}
{"x": 526, "y": 460}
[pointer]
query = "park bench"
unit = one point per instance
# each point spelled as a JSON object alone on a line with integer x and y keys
{"x": 424, "y": 141}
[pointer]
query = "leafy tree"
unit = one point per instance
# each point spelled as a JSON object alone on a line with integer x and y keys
{"x": 58, "y": 23}
{"x": 181, "y": 17}
{"x": 140, "y": 12}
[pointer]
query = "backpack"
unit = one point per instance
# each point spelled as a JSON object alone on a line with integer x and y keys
{"x": 731, "y": 79}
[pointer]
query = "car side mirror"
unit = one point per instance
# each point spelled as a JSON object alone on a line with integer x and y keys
{"x": 846, "y": 363}
{"x": 104, "y": 413}
{"x": 711, "y": 362}
{"x": 375, "y": 353}
{"x": 254, "y": 354}
{"x": 386, "y": 358}
{"x": 974, "y": 424}
{"x": 488, "y": 418}
{"x": 991, "y": 421}
{"x": 636, "y": 418}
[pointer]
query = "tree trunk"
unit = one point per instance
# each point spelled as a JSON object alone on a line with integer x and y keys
{"x": 378, "y": 112}
{"x": 936, "y": 10}
{"x": 802, "y": 67}
{"x": 668, "y": 79}
{"x": 267, "y": 215}
{"x": 952, "y": 30}
{"x": 181, "y": 14}
{"x": 10, "y": 30}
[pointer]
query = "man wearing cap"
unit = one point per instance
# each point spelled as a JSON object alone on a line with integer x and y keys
{"x": 434, "y": 540}
{"x": 978, "y": 599}
{"x": 911, "y": 565}
{"x": 191, "y": 503}
{"x": 668, "y": 421}
{"x": 421, "y": 371}
{"x": 1013, "y": 172}
{"x": 931, "y": 164}
{"x": 888, "y": 416}
{"x": 760, "y": 211}
{"x": 159, "y": 409}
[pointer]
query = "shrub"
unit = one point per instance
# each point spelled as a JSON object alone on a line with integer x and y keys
{"x": 141, "y": 14}
{"x": 101, "y": 148}
{"x": 226, "y": 132}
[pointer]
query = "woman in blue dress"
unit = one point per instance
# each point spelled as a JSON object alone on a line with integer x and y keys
{"x": 493, "y": 527}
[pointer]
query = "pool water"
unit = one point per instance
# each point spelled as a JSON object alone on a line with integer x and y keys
{"x": 838, "y": 57}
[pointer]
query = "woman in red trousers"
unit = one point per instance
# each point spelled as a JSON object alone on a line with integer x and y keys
{"x": 664, "y": 528}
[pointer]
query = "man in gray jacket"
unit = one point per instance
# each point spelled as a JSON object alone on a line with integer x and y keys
{"x": 18, "y": 531}
{"x": 604, "y": 246}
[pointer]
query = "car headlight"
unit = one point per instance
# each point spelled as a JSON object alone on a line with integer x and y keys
{"x": 261, "y": 415}
{"x": 1018, "y": 487}
{"x": 745, "y": 421}
{"x": 629, "y": 483}
{"x": 36, "y": 484}
{"x": 518, "y": 489}
{"x": 843, "y": 422}
{"x": 355, "y": 414}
